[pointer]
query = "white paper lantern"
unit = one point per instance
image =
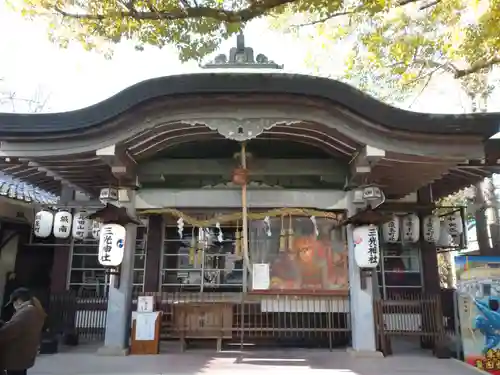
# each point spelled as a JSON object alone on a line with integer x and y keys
{"x": 96, "y": 229}
{"x": 62, "y": 224}
{"x": 390, "y": 230}
{"x": 111, "y": 245}
{"x": 80, "y": 226}
{"x": 411, "y": 228}
{"x": 445, "y": 238}
{"x": 42, "y": 227}
{"x": 431, "y": 228}
{"x": 366, "y": 246}
{"x": 454, "y": 224}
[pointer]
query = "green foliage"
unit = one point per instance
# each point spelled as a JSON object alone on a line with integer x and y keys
{"x": 195, "y": 27}
{"x": 398, "y": 46}
{"x": 400, "y": 43}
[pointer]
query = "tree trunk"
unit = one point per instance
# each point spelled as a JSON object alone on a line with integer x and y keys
{"x": 493, "y": 204}
{"x": 483, "y": 239}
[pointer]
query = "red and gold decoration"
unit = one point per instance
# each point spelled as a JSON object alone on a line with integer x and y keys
{"x": 240, "y": 176}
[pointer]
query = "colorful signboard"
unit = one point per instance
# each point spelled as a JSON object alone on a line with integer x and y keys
{"x": 478, "y": 286}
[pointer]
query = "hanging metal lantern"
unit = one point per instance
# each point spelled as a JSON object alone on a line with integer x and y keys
{"x": 112, "y": 245}
{"x": 454, "y": 224}
{"x": 81, "y": 225}
{"x": 62, "y": 224}
{"x": 366, "y": 246}
{"x": 42, "y": 227}
{"x": 390, "y": 230}
{"x": 96, "y": 229}
{"x": 411, "y": 228}
{"x": 431, "y": 228}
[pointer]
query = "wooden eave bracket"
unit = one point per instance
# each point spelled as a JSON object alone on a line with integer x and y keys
{"x": 363, "y": 163}
{"x": 122, "y": 165}
{"x": 114, "y": 214}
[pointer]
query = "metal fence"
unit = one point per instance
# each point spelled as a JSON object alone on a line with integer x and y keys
{"x": 450, "y": 316}
{"x": 261, "y": 319}
{"x": 256, "y": 319}
{"x": 81, "y": 316}
{"x": 409, "y": 315}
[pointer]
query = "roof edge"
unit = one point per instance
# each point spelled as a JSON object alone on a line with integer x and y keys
{"x": 245, "y": 81}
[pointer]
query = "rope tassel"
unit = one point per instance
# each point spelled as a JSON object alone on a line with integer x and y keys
{"x": 291, "y": 236}
{"x": 192, "y": 248}
{"x": 283, "y": 236}
{"x": 237, "y": 241}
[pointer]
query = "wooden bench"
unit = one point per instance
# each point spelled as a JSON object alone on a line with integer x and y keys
{"x": 203, "y": 320}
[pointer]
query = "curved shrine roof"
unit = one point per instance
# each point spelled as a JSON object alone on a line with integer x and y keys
{"x": 245, "y": 81}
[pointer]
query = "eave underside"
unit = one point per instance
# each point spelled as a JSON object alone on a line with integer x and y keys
{"x": 399, "y": 174}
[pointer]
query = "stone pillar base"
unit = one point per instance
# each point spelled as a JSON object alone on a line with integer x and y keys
{"x": 112, "y": 351}
{"x": 364, "y": 353}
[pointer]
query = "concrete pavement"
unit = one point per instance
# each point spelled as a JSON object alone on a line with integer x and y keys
{"x": 290, "y": 362}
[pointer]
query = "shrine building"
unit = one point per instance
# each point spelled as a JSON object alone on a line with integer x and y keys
{"x": 246, "y": 188}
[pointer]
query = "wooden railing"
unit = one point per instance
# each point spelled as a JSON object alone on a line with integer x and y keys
{"x": 409, "y": 315}
{"x": 308, "y": 320}
{"x": 83, "y": 316}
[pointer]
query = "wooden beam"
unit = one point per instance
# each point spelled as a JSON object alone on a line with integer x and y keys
{"x": 327, "y": 168}
{"x": 363, "y": 163}
{"x": 56, "y": 177}
{"x": 122, "y": 165}
{"x": 231, "y": 198}
{"x": 492, "y": 151}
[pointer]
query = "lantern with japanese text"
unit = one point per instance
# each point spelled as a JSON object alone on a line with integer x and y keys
{"x": 411, "y": 228}
{"x": 390, "y": 230}
{"x": 42, "y": 227}
{"x": 96, "y": 229}
{"x": 431, "y": 228}
{"x": 111, "y": 245}
{"x": 445, "y": 238}
{"x": 80, "y": 226}
{"x": 454, "y": 224}
{"x": 366, "y": 246}
{"x": 62, "y": 224}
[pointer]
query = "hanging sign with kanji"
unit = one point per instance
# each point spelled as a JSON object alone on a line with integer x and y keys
{"x": 431, "y": 228}
{"x": 454, "y": 224}
{"x": 111, "y": 245}
{"x": 411, "y": 228}
{"x": 391, "y": 230}
{"x": 80, "y": 226}
{"x": 42, "y": 227}
{"x": 366, "y": 246}
{"x": 62, "y": 224}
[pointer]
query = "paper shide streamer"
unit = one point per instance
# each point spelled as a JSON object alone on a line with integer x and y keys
{"x": 180, "y": 226}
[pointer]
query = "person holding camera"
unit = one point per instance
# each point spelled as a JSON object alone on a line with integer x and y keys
{"x": 20, "y": 336}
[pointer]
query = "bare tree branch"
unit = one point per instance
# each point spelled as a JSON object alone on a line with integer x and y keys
{"x": 453, "y": 69}
{"x": 324, "y": 19}
{"x": 348, "y": 12}
{"x": 218, "y": 14}
{"x": 421, "y": 91}
{"x": 477, "y": 66}
{"x": 429, "y": 5}
{"x": 36, "y": 103}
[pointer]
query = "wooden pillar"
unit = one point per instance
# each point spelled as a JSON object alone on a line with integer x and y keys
{"x": 118, "y": 323}
{"x": 153, "y": 253}
{"x": 430, "y": 270}
{"x": 361, "y": 299}
{"x": 62, "y": 253}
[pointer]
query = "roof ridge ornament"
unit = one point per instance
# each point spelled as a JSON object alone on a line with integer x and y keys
{"x": 241, "y": 57}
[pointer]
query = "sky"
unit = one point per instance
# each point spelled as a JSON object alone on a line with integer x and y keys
{"x": 67, "y": 79}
